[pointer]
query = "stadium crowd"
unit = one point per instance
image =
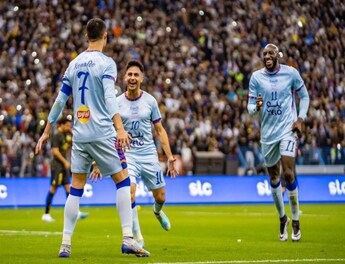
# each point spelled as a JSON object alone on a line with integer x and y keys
{"x": 198, "y": 58}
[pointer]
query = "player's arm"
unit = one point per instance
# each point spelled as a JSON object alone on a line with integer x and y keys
{"x": 108, "y": 80}
{"x": 54, "y": 114}
{"x": 57, "y": 154}
{"x": 304, "y": 102}
{"x": 163, "y": 138}
{"x": 255, "y": 101}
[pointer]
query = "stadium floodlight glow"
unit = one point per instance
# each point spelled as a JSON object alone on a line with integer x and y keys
{"x": 16, "y": 8}
{"x": 201, "y": 12}
{"x": 168, "y": 29}
{"x": 19, "y": 107}
{"x": 69, "y": 117}
{"x": 300, "y": 24}
{"x": 28, "y": 82}
{"x": 139, "y": 18}
{"x": 167, "y": 81}
{"x": 234, "y": 23}
{"x": 338, "y": 146}
{"x": 36, "y": 61}
{"x": 34, "y": 54}
{"x": 42, "y": 122}
{"x": 2, "y": 117}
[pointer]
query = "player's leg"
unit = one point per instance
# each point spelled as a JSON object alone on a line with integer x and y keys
{"x": 159, "y": 195}
{"x": 111, "y": 162}
{"x": 272, "y": 160}
{"x": 288, "y": 152}
{"x": 46, "y": 217}
{"x": 80, "y": 165}
{"x": 71, "y": 212}
{"x": 81, "y": 215}
{"x": 136, "y": 225}
{"x": 153, "y": 178}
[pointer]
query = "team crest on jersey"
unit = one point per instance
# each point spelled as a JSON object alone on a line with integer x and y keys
{"x": 83, "y": 114}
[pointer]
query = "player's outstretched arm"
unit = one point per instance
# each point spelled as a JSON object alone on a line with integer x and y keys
{"x": 163, "y": 138}
{"x": 44, "y": 137}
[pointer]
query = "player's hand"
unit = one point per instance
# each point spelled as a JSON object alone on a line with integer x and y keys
{"x": 123, "y": 139}
{"x": 40, "y": 142}
{"x": 67, "y": 165}
{"x": 297, "y": 126}
{"x": 95, "y": 173}
{"x": 259, "y": 102}
{"x": 171, "y": 167}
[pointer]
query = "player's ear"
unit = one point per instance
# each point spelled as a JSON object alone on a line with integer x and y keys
{"x": 105, "y": 35}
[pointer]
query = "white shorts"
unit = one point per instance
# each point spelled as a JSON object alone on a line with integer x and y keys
{"x": 285, "y": 147}
{"x": 109, "y": 159}
{"x": 150, "y": 172}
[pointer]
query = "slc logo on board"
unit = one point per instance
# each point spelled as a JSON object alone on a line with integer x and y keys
{"x": 83, "y": 114}
{"x": 3, "y": 191}
{"x": 263, "y": 188}
{"x": 336, "y": 187}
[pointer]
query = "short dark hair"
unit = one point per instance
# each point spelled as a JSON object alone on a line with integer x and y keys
{"x": 95, "y": 29}
{"x": 63, "y": 120}
{"x": 135, "y": 63}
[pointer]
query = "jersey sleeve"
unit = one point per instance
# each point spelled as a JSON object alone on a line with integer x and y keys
{"x": 108, "y": 80}
{"x": 252, "y": 95}
{"x": 155, "y": 114}
{"x": 298, "y": 82}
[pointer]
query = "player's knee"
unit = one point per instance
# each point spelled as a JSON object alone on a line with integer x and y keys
{"x": 289, "y": 176}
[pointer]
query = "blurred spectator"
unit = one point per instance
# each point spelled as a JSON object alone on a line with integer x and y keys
{"x": 198, "y": 57}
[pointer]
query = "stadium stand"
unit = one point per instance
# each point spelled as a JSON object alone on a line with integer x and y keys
{"x": 198, "y": 57}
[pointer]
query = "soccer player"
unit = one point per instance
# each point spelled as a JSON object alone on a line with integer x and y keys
{"x": 60, "y": 166}
{"x": 90, "y": 79}
{"x": 139, "y": 110}
{"x": 272, "y": 92}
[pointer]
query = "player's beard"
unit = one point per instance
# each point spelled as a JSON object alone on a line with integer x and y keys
{"x": 274, "y": 64}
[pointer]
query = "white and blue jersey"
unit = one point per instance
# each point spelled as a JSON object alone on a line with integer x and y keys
{"x": 90, "y": 79}
{"x": 279, "y": 111}
{"x": 138, "y": 115}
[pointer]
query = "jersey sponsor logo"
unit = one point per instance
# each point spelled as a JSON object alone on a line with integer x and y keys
{"x": 263, "y": 188}
{"x": 83, "y": 114}
{"x": 336, "y": 187}
{"x": 273, "y": 107}
{"x": 200, "y": 189}
{"x": 3, "y": 191}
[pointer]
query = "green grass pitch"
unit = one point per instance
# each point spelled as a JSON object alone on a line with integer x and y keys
{"x": 211, "y": 234}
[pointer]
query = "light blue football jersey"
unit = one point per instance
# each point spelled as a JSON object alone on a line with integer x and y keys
{"x": 90, "y": 78}
{"x": 138, "y": 115}
{"x": 278, "y": 91}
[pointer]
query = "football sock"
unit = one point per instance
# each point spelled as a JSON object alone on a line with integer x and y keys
{"x": 157, "y": 207}
{"x": 123, "y": 204}
{"x": 293, "y": 199}
{"x": 49, "y": 200}
{"x": 71, "y": 214}
{"x": 277, "y": 194}
{"x": 136, "y": 226}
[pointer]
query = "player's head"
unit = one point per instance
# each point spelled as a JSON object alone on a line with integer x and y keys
{"x": 270, "y": 57}
{"x": 134, "y": 74}
{"x": 64, "y": 125}
{"x": 96, "y": 30}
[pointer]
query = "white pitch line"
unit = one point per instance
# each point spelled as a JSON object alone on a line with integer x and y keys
{"x": 255, "y": 261}
{"x": 28, "y": 233}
